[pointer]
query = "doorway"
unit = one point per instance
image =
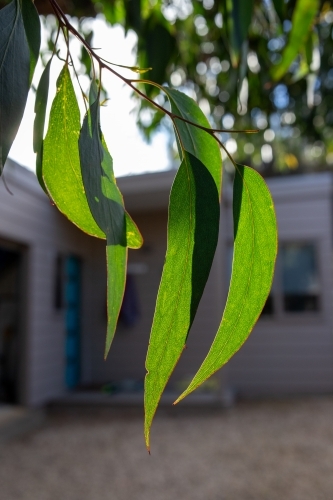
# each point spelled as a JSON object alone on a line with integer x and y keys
{"x": 73, "y": 314}
{"x": 10, "y": 271}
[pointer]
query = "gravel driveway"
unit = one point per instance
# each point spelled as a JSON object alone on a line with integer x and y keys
{"x": 277, "y": 450}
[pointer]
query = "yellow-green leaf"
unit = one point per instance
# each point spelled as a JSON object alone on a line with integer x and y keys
{"x": 61, "y": 160}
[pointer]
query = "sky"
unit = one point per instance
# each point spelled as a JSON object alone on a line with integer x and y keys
{"x": 131, "y": 153}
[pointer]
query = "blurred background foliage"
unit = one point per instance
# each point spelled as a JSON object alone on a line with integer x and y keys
{"x": 265, "y": 64}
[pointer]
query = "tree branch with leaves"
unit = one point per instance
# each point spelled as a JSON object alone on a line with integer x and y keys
{"x": 75, "y": 169}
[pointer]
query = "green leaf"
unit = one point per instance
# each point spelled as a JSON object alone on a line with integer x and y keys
{"x": 104, "y": 198}
{"x": 154, "y": 35}
{"x": 193, "y": 226}
{"x": 302, "y": 22}
{"x": 239, "y": 20}
{"x": 200, "y": 149}
{"x": 302, "y": 70}
{"x": 195, "y": 140}
{"x": 14, "y": 75}
{"x": 107, "y": 206}
{"x": 39, "y": 123}
{"x": 255, "y": 249}
{"x": 61, "y": 159}
{"x": 280, "y": 8}
{"x": 61, "y": 170}
{"x": 116, "y": 260}
{"x": 134, "y": 238}
{"x": 32, "y": 30}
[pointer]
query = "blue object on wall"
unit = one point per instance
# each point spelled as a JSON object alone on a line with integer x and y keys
{"x": 72, "y": 318}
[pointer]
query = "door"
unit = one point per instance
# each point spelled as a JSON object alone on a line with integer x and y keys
{"x": 9, "y": 324}
{"x": 72, "y": 318}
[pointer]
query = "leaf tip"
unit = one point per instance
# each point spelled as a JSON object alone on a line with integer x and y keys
{"x": 106, "y": 350}
{"x": 178, "y": 400}
{"x": 147, "y": 439}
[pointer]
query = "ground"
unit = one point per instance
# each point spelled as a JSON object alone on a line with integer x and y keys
{"x": 272, "y": 450}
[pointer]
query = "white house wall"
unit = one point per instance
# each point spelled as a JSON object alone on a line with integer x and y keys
{"x": 284, "y": 354}
{"x": 28, "y": 218}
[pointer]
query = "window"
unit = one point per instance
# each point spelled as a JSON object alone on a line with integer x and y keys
{"x": 300, "y": 281}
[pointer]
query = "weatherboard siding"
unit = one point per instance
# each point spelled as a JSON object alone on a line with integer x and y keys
{"x": 28, "y": 218}
{"x": 285, "y": 354}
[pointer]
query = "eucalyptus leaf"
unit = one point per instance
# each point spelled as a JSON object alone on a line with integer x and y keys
{"x": 193, "y": 139}
{"x": 32, "y": 30}
{"x": 116, "y": 260}
{"x": 61, "y": 159}
{"x": 239, "y": 20}
{"x": 280, "y": 7}
{"x": 302, "y": 21}
{"x": 39, "y": 123}
{"x": 134, "y": 238}
{"x": 107, "y": 207}
{"x": 14, "y": 75}
{"x": 200, "y": 158}
{"x": 193, "y": 226}
{"x": 61, "y": 169}
{"x": 255, "y": 250}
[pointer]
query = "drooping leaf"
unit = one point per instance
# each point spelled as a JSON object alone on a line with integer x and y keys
{"x": 302, "y": 20}
{"x": 280, "y": 7}
{"x": 116, "y": 261}
{"x": 194, "y": 140}
{"x": 192, "y": 238}
{"x": 61, "y": 159}
{"x": 107, "y": 206}
{"x": 200, "y": 145}
{"x": 255, "y": 249}
{"x": 134, "y": 238}
{"x": 61, "y": 170}
{"x": 239, "y": 20}
{"x": 302, "y": 70}
{"x": 15, "y": 74}
{"x": 156, "y": 34}
{"x": 32, "y": 30}
{"x": 133, "y": 17}
{"x": 39, "y": 123}
{"x": 309, "y": 46}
